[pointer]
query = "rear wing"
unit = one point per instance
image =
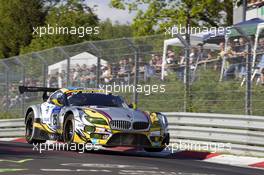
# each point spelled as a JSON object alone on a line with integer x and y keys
{"x": 23, "y": 89}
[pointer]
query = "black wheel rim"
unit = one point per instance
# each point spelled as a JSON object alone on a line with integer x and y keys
{"x": 29, "y": 128}
{"x": 69, "y": 132}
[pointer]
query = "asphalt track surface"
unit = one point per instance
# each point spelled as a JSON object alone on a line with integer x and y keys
{"x": 20, "y": 158}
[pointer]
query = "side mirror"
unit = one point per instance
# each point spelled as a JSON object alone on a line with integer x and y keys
{"x": 56, "y": 102}
{"x": 132, "y": 106}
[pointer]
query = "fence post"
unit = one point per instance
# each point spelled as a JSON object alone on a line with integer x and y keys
{"x": 187, "y": 87}
{"x": 248, "y": 90}
{"x": 45, "y": 67}
{"x": 248, "y": 107}
{"x": 98, "y": 67}
{"x": 187, "y": 93}
{"x": 68, "y": 64}
{"x": 136, "y": 74}
{"x": 135, "y": 99}
{"x": 7, "y": 69}
{"x": 23, "y": 83}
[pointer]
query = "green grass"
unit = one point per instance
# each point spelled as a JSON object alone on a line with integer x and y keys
{"x": 9, "y": 115}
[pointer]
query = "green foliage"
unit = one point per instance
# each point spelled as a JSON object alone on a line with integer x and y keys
{"x": 109, "y": 30}
{"x": 17, "y": 20}
{"x": 161, "y": 14}
{"x": 118, "y": 4}
{"x": 72, "y": 14}
{"x": 18, "y": 17}
{"x": 8, "y": 115}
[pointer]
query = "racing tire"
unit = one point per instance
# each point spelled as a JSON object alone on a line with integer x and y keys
{"x": 68, "y": 130}
{"x": 154, "y": 149}
{"x": 30, "y": 130}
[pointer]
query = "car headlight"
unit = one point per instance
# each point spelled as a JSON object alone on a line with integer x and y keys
{"x": 93, "y": 120}
{"x": 158, "y": 120}
{"x": 98, "y": 121}
{"x": 89, "y": 129}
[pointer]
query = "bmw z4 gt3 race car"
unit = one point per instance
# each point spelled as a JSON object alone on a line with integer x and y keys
{"x": 79, "y": 115}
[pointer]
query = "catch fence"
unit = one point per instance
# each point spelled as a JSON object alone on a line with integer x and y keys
{"x": 131, "y": 67}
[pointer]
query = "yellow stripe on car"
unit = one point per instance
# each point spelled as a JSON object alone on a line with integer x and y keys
{"x": 77, "y": 139}
{"x": 43, "y": 127}
{"x": 85, "y": 91}
{"x": 95, "y": 114}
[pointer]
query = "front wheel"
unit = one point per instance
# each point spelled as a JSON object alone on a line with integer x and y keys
{"x": 68, "y": 131}
{"x": 30, "y": 130}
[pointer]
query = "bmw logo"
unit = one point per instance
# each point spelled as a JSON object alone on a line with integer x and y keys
{"x": 130, "y": 117}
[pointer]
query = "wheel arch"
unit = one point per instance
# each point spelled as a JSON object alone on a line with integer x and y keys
{"x": 35, "y": 109}
{"x": 71, "y": 110}
{"x": 27, "y": 112}
{"x": 66, "y": 115}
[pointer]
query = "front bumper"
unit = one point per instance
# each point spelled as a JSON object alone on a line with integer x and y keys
{"x": 129, "y": 139}
{"x": 122, "y": 138}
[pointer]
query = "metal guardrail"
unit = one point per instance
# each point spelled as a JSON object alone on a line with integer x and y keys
{"x": 244, "y": 134}
{"x": 12, "y": 128}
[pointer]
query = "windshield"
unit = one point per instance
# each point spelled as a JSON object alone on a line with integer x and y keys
{"x": 89, "y": 99}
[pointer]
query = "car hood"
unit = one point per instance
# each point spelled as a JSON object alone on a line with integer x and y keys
{"x": 125, "y": 114}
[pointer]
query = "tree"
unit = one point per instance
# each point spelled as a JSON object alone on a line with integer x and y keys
{"x": 74, "y": 13}
{"x": 17, "y": 20}
{"x": 111, "y": 30}
{"x": 160, "y": 13}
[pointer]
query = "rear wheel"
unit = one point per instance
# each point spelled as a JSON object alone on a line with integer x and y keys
{"x": 30, "y": 130}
